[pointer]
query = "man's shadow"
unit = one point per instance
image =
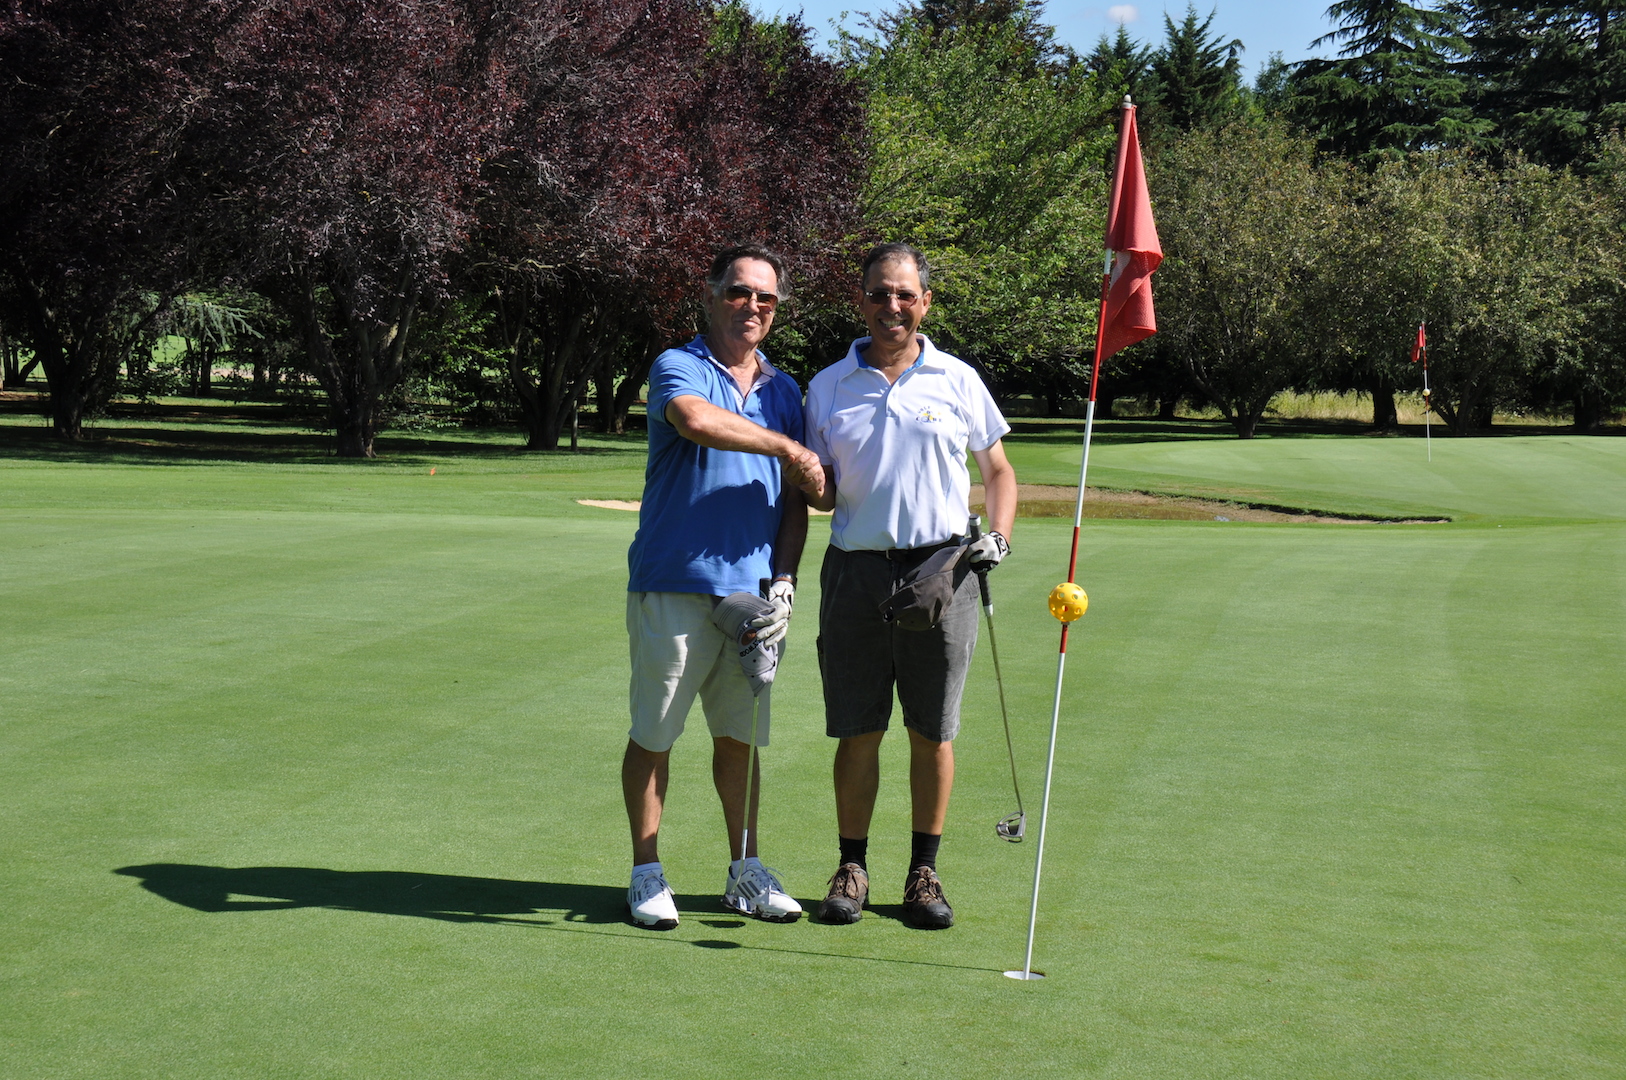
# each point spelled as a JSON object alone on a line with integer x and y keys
{"x": 387, "y": 892}
{"x": 447, "y": 897}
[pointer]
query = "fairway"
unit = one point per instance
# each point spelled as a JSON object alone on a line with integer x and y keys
{"x": 311, "y": 769}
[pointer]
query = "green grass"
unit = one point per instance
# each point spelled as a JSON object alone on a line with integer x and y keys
{"x": 1331, "y": 801}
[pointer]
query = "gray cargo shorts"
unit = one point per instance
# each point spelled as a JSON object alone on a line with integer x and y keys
{"x": 862, "y": 657}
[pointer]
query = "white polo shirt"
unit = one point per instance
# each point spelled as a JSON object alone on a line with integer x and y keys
{"x": 898, "y": 450}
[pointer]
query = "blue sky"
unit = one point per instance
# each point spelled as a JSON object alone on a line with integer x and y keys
{"x": 1265, "y": 26}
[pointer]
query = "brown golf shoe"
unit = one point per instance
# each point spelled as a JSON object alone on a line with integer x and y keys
{"x": 849, "y": 889}
{"x": 924, "y": 906}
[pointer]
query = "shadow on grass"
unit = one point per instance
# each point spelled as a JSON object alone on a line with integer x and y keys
{"x": 386, "y": 892}
{"x": 449, "y": 898}
{"x": 131, "y": 444}
{"x": 1129, "y": 430}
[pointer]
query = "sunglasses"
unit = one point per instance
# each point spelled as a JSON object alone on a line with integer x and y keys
{"x": 739, "y": 294}
{"x": 881, "y": 296}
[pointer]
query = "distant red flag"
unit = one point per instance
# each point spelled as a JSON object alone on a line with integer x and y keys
{"x": 1126, "y": 314}
{"x": 1420, "y": 347}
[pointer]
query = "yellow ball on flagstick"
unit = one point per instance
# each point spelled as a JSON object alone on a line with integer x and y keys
{"x": 1068, "y": 602}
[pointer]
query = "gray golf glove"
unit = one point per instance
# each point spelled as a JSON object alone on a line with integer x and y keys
{"x": 771, "y": 628}
{"x": 987, "y": 550}
{"x": 734, "y": 615}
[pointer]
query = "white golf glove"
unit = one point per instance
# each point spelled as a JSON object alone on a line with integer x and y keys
{"x": 771, "y": 629}
{"x": 987, "y": 550}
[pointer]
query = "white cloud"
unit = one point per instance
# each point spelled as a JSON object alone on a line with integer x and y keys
{"x": 1123, "y": 13}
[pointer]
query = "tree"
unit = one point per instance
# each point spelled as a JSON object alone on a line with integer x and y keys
{"x": 347, "y": 137}
{"x": 1551, "y": 76}
{"x": 1590, "y": 374}
{"x": 1121, "y": 66}
{"x": 657, "y": 136}
{"x": 992, "y": 162}
{"x": 1393, "y": 88}
{"x": 1247, "y": 217}
{"x": 1493, "y": 260}
{"x": 96, "y": 203}
{"x": 1198, "y": 78}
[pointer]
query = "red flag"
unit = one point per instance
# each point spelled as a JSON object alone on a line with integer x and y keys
{"x": 1126, "y": 313}
{"x": 1419, "y": 348}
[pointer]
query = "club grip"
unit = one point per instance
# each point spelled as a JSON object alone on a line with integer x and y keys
{"x": 973, "y": 530}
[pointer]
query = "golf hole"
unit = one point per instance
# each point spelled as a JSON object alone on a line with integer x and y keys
{"x": 1020, "y": 974}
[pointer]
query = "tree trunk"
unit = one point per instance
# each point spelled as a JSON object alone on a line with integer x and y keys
{"x": 1165, "y": 407}
{"x": 358, "y": 371}
{"x": 626, "y": 391}
{"x": 1588, "y": 411}
{"x": 1484, "y": 414}
{"x": 13, "y": 372}
{"x": 1459, "y": 416}
{"x": 1385, "y": 415}
{"x": 68, "y": 360}
{"x": 206, "y": 370}
{"x": 604, "y": 396}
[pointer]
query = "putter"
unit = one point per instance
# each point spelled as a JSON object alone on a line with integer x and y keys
{"x": 750, "y": 767}
{"x": 1011, "y": 827}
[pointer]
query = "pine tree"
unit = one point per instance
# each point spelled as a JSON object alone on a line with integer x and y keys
{"x": 1552, "y": 77}
{"x": 1122, "y": 65}
{"x": 1393, "y": 89}
{"x": 1199, "y": 79}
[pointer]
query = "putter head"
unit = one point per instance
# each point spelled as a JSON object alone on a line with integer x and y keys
{"x": 1012, "y": 827}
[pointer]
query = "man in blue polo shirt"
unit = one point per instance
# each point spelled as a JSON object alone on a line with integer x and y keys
{"x": 893, "y": 423}
{"x": 722, "y": 512}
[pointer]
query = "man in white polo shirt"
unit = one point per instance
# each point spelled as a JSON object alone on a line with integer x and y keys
{"x": 892, "y": 422}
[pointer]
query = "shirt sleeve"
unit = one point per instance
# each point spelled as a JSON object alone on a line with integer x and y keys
{"x": 814, "y": 439}
{"x": 675, "y": 373}
{"x": 985, "y": 424}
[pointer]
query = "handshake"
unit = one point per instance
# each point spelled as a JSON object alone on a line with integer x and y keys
{"x": 803, "y": 469}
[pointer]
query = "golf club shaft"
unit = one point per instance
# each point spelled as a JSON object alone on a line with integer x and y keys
{"x": 750, "y": 767}
{"x": 999, "y": 681}
{"x": 974, "y": 530}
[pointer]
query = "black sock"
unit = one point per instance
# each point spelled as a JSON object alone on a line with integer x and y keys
{"x": 854, "y": 851}
{"x": 923, "y": 849}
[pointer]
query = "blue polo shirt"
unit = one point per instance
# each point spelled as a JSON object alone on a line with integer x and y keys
{"x": 709, "y": 517}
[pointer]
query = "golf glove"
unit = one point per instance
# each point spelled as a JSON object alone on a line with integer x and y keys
{"x": 987, "y": 550}
{"x": 771, "y": 629}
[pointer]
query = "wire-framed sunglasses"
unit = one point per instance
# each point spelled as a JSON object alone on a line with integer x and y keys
{"x": 881, "y": 296}
{"x": 739, "y": 294}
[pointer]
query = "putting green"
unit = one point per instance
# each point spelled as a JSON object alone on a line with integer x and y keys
{"x": 311, "y": 770}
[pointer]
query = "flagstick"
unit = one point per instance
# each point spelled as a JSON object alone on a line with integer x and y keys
{"x": 1428, "y": 402}
{"x": 1428, "y": 407}
{"x": 1027, "y": 971}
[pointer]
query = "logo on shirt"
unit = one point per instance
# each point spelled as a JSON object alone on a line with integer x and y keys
{"x": 929, "y": 415}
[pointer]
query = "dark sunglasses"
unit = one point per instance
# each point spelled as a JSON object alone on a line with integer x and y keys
{"x": 881, "y": 296}
{"x": 739, "y": 294}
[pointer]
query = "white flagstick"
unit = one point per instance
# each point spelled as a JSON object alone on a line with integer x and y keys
{"x": 1027, "y": 971}
{"x": 1428, "y": 407}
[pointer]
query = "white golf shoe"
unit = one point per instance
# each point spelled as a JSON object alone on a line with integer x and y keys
{"x": 754, "y": 890}
{"x": 649, "y": 898}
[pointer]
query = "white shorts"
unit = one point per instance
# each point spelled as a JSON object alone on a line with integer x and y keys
{"x": 676, "y": 653}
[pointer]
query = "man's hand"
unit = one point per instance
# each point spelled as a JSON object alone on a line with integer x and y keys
{"x": 771, "y": 629}
{"x": 987, "y": 550}
{"x": 803, "y": 470}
